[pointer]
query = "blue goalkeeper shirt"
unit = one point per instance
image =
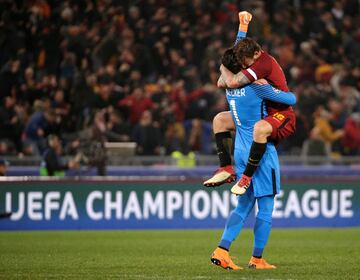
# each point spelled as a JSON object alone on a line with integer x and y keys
{"x": 247, "y": 106}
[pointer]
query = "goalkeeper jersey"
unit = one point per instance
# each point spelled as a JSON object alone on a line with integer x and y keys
{"x": 247, "y": 106}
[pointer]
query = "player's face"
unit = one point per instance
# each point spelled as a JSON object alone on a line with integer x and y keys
{"x": 247, "y": 62}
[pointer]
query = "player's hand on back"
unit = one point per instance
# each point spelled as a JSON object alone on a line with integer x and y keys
{"x": 261, "y": 82}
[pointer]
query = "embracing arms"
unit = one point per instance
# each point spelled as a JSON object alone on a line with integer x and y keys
{"x": 232, "y": 80}
{"x": 270, "y": 93}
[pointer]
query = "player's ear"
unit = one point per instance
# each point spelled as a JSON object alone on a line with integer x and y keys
{"x": 257, "y": 54}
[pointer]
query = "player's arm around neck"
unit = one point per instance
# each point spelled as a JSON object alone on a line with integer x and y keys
{"x": 233, "y": 80}
{"x": 221, "y": 83}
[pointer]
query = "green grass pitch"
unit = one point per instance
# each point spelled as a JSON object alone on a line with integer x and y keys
{"x": 298, "y": 253}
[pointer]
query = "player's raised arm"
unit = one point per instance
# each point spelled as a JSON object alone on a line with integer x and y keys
{"x": 244, "y": 21}
{"x": 270, "y": 93}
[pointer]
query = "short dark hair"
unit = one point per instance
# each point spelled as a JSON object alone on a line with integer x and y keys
{"x": 230, "y": 62}
{"x": 246, "y": 47}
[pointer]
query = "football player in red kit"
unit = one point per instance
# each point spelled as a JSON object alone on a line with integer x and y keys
{"x": 278, "y": 125}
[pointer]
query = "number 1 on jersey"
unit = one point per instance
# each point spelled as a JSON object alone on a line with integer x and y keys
{"x": 233, "y": 110}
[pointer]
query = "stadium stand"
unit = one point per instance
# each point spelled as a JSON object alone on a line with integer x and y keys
{"x": 145, "y": 72}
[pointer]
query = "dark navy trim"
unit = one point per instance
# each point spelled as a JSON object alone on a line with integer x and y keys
{"x": 284, "y": 123}
{"x": 273, "y": 177}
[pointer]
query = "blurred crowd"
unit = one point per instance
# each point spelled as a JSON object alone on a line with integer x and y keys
{"x": 146, "y": 71}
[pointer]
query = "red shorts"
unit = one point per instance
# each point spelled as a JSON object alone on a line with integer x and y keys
{"x": 283, "y": 124}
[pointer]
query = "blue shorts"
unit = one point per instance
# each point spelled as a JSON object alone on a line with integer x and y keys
{"x": 266, "y": 179}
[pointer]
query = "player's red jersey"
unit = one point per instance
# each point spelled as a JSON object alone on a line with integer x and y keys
{"x": 266, "y": 67}
{"x": 280, "y": 116}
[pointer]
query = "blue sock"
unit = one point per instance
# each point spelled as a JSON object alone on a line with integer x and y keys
{"x": 262, "y": 232}
{"x": 262, "y": 226}
{"x": 257, "y": 252}
{"x": 233, "y": 227}
{"x": 235, "y": 222}
{"x": 225, "y": 244}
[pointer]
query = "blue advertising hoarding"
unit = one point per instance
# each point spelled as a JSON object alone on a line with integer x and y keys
{"x": 79, "y": 204}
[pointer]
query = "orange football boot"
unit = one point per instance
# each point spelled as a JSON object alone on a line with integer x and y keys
{"x": 221, "y": 257}
{"x": 257, "y": 263}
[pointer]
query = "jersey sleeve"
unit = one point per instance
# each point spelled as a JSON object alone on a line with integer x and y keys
{"x": 240, "y": 35}
{"x": 260, "y": 69}
{"x": 272, "y": 94}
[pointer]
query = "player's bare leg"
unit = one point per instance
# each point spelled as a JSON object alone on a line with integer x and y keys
{"x": 223, "y": 122}
{"x": 262, "y": 130}
{"x": 222, "y": 125}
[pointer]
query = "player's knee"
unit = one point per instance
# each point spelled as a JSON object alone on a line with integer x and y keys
{"x": 262, "y": 129}
{"x": 266, "y": 206}
{"x": 223, "y": 122}
{"x": 241, "y": 212}
{"x": 265, "y": 216}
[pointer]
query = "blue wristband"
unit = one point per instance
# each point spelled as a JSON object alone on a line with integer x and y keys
{"x": 240, "y": 35}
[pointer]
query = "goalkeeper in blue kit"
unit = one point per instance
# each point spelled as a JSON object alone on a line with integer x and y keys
{"x": 247, "y": 107}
